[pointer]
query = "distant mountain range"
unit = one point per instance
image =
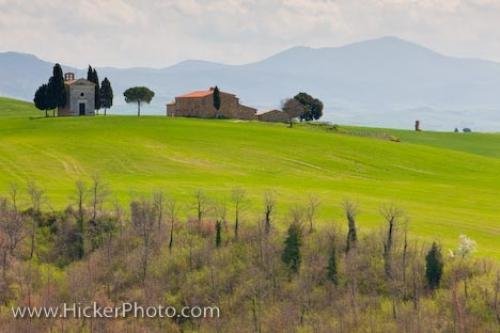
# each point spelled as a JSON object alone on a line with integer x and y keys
{"x": 383, "y": 82}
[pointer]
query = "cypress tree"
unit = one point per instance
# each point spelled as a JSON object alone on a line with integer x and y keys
{"x": 97, "y": 95}
{"x": 434, "y": 266}
{"x": 332, "y": 265}
{"x": 90, "y": 74}
{"x": 106, "y": 94}
{"x": 93, "y": 77}
{"x": 218, "y": 233}
{"x": 291, "y": 253}
{"x": 56, "y": 92}
{"x": 216, "y": 101}
{"x": 41, "y": 98}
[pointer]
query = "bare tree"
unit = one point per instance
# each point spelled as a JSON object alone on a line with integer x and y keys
{"x": 238, "y": 197}
{"x": 171, "y": 207}
{"x": 80, "y": 192}
{"x": 98, "y": 192}
{"x": 15, "y": 225}
{"x": 11, "y": 227}
{"x": 391, "y": 214}
{"x": 159, "y": 203}
{"x": 11, "y": 232}
{"x": 220, "y": 211}
{"x": 405, "y": 255}
{"x": 36, "y": 195}
{"x": 143, "y": 216}
{"x": 201, "y": 205}
{"x": 313, "y": 204}
{"x": 351, "y": 211}
{"x": 297, "y": 214}
{"x": 293, "y": 108}
{"x": 13, "y": 193}
{"x": 496, "y": 298}
{"x": 269, "y": 205}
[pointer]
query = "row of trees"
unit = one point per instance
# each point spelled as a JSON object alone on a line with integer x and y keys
{"x": 103, "y": 94}
{"x": 291, "y": 255}
{"x": 52, "y": 95}
{"x": 311, "y": 278}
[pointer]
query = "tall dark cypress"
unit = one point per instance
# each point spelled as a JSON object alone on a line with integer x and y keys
{"x": 291, "y": 253}
{"x": 97, "y": 94}
{"x": 56, "y": 91}
{"x": 106, "y": 93}
{"x": 332, "y": 265}
{"x": 434, "y": 266}
{"x": 216, "y": 101}
{"x": 89, "y": 74}
{"x": 218, "y": 233}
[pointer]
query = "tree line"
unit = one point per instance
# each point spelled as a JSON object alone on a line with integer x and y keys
{"x": 103, "y": 94}
{"x": 309, "y": 276}
{"x": 51, "y": 95}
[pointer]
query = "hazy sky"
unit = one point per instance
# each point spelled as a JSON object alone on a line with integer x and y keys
{"x": 161, "y": 32}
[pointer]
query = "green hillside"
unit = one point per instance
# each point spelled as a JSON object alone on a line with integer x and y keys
{"x": 15, "y": 108}
{"x": 487, "y": 144}
{"x": 448, "y": 184}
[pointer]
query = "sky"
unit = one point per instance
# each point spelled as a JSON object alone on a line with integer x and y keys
{"x": 160, "y": 33}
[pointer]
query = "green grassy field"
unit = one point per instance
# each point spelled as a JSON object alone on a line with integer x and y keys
{"x": 449, "y": 184}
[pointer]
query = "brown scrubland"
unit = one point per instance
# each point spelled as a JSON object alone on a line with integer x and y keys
{"x": 334, "y": 277}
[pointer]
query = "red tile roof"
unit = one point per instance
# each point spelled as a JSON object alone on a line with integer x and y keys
{"x": 199, "y": 93}
{"x": 70, "y": 82}
{"x": 203, "y": 93}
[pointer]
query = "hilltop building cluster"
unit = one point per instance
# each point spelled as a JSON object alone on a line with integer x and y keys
{"x": 86, "y": 96}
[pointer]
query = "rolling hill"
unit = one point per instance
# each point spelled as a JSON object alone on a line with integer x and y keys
{"x": 381, "y": 82}
{"x": 447, "y": 183}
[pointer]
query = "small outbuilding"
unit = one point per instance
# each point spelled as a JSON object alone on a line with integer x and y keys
{"x": 274, "y": 116}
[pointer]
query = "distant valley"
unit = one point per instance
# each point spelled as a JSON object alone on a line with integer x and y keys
{"x": 386, "y": 82}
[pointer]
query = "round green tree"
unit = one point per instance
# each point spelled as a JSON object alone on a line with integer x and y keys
{"x": 313, "y": 106}
{"x": 41, "y": 99}
{"x": 138, "y": 95}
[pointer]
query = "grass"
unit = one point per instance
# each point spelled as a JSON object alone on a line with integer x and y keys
{"x": 15, "y": 108}
{"x": 448, "y": 183}
{"x": 486, "y": 144}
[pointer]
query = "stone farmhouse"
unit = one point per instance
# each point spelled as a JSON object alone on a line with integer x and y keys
{"x": 79, "y": 97}
{"x": 200, "y": 104}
